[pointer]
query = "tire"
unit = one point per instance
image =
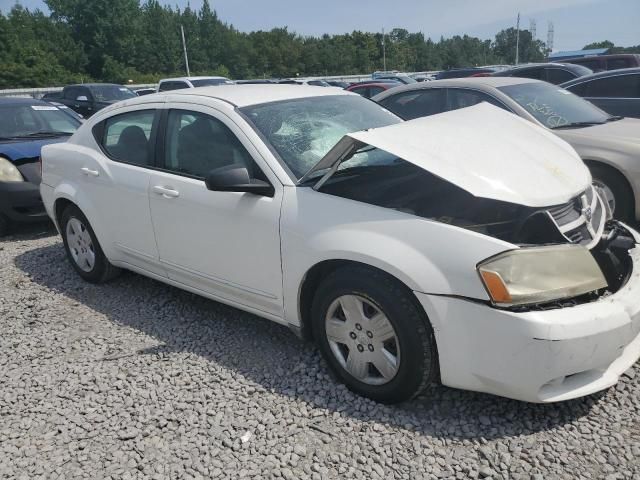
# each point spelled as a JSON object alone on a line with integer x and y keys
{"x": 97, "y": 271}
{"x": 4, "y": 225}
{"x": 413, "y": 347}
{"x": 612, "y": 181}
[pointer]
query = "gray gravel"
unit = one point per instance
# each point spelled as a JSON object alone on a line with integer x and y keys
{"x": 136, "y": 379}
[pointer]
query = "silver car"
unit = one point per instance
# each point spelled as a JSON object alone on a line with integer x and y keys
{"x": 609, "y": 145}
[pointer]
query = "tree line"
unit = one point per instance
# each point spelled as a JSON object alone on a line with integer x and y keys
{"x": 122, "y": 40}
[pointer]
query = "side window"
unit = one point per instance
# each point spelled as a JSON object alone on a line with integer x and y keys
{"x": 620, "y": 86}
{"x": 126, "y": 137}
{"x": 197, "y": 143}
{"x": 534, "y": 73}
{"x": 364, "y": 91}
{"x": 168, "y": 86}
{"x": 71, "y": 93}
{"x": 373, "y": 91}
{"x": 592, "y": 64}
{"x": 459, "y": 98}
{"x": 580, "y": 89}
{"x": 415, "y": 104}
{"x": 616, "y": 63}
{"x": 558, "y": 76}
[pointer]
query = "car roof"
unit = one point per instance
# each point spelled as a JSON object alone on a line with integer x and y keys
{"x": 96, "y": 85}
{"x": 604, "y": 74}
{"x": 477, "y": 82}
{"x": 248, "y": 94}
{"x": 193, "y": 78}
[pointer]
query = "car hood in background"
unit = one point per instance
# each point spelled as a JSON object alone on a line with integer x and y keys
{"x": 612, "y": 135}
{"x": 484, "y": 150}
{"x": 16, "y": 150}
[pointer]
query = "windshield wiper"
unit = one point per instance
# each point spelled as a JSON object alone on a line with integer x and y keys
{"x": 576, "y": 125}
{"x": 614, "y": 118}
{"x": 44, "y": 133}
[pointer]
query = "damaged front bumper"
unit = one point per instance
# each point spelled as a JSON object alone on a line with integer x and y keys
{"x": 543, "y": 355}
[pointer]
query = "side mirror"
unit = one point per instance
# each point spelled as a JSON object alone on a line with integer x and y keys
{"x": 82, "y": 98}
{"x": 236, "y": 179}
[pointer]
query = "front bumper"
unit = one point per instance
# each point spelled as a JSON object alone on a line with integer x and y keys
{"x": 21, "y": 202}
{"x": 538, "y": 356}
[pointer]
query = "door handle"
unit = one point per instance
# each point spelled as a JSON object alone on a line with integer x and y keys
{"x": 166, "y": 192}
{"x": 90, "y": 173}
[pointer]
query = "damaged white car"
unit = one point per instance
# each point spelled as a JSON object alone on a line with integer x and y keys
{"x": 468, "y": 247}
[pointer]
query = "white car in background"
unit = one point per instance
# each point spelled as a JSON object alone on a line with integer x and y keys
{"x": 169, "y": 84}
{"x": 435, "y": 249}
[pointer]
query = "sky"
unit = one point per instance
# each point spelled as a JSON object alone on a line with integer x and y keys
{"x": 576, "y": 22}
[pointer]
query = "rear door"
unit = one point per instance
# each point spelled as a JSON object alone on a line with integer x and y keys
{"x": 117, "y": 181}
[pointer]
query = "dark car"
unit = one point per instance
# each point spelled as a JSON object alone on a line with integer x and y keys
{"x": 464, "y": 72}
{"x": 616, "y": 92}
{"x": 26, "y": 125}
{"x": 555, "y": 73}
{"x": 88, "y": 98}
{"x": 599, "y": 63}
{"x": 52, "y": 96}
{"x": 373, "y": 87}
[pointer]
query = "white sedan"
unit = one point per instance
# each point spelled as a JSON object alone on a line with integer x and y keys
{"x": 467, "y": 247}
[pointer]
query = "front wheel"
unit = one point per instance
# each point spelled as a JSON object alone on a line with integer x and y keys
{"x": 616, "y": 191}
{"x": 82, "y": 247}
{"x": 373, "y": 335}
{"x": 4, "y": 225}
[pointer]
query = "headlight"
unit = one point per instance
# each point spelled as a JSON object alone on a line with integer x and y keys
{"x": 540, "y": 274}
{"x": 9, "y": 172}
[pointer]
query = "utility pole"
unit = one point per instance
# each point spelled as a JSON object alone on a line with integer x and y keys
{"x": 518, "y": 39}
{"x": 384, "y": 53}
{"x": 184, "y": 49}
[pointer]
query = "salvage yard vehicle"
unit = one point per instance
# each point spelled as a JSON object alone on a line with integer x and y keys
{"x": 609, "y": 145}
{"x": 169, "y": 84}
{"x": 25, "y": 126}
{"x": 410, "y": 252}
{"x": 555, "y": 73}
{"x": 617, "y": 92}
{"x": 87, "y": 98}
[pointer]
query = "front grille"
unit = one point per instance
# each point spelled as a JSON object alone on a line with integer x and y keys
{"x": 581, "y": 220}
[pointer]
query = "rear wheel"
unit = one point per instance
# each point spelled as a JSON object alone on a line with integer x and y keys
{"x": 373, "y": 335}
{"x": 616, "y": 190}
{"x": 82, "y": 247}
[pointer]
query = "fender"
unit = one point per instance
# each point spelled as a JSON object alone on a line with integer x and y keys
{"x": 317, "y": 227}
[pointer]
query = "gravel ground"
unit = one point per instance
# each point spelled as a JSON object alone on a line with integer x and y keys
{"x": 136, "y": 379}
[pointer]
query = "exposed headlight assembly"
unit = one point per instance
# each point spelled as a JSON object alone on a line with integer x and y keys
{"x": 9, "y": 172}
{"x": 540, "y": 274}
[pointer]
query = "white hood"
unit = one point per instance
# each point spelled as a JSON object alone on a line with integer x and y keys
{"x": 486, "y": 151}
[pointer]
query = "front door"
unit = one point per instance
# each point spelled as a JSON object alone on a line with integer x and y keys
{"x": 226, "y": 244}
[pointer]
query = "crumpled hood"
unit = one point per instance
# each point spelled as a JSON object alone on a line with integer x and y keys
{"x": 19, "y": 149}
{"x": 486, "y": 151}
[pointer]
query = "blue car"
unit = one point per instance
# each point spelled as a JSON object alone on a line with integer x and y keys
{"x": 26, "y": 125}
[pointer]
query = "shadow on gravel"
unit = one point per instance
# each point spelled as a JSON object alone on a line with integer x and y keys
{"x": 30, "y": 231}
{"x": 272, "y": 357}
